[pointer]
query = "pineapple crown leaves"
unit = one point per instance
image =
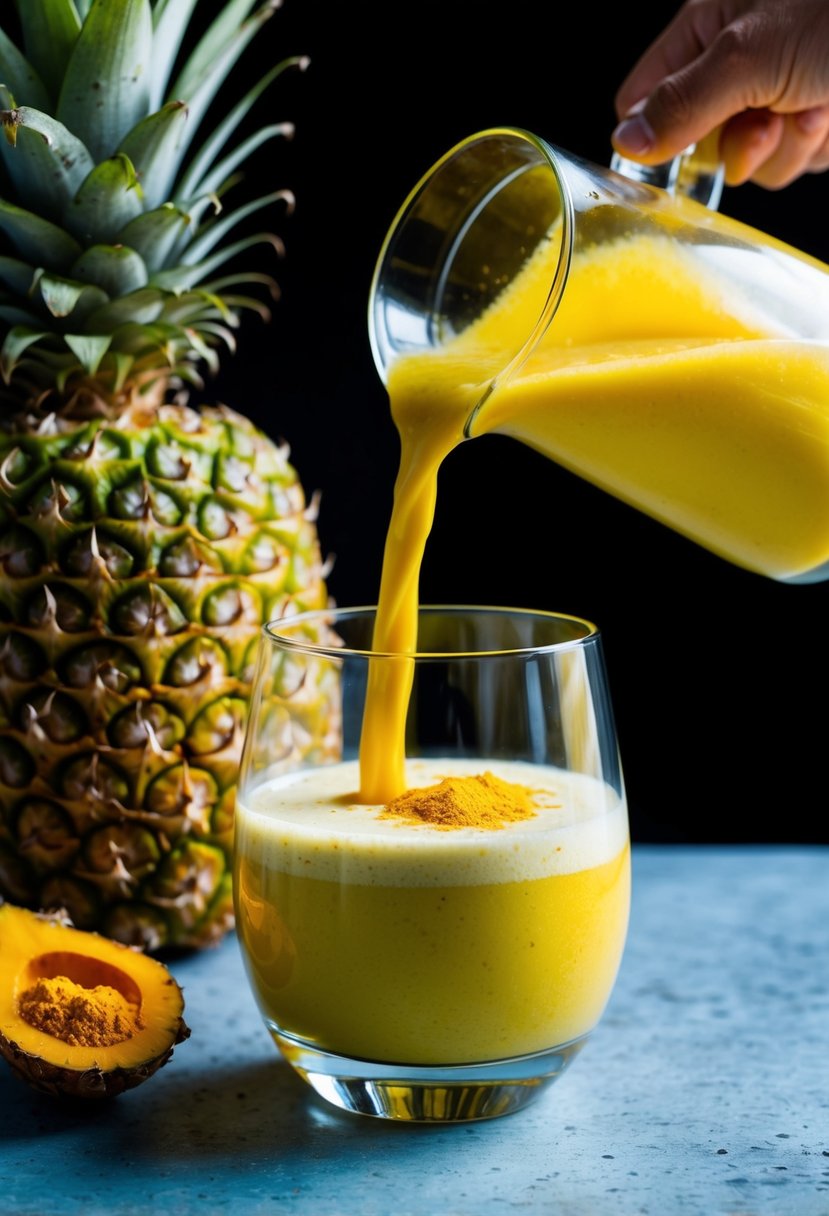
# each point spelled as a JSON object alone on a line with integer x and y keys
{"x": 115, "y": 226}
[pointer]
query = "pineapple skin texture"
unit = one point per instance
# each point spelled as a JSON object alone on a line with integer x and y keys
{"x": 139, "y": 559}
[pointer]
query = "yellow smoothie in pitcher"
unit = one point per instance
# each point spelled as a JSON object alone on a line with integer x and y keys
{"x": 376, "y": 937}
{"x": 661, "y": 380}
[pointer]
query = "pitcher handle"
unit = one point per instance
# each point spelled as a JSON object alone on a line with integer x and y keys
{"x": 697, "y": 172}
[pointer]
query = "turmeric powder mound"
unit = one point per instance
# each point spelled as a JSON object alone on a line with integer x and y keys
{"x": 480, "y": 801}
{"x": 78, "y": 1016}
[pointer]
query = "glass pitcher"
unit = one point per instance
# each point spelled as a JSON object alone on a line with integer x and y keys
{"x": 674, "y": 357}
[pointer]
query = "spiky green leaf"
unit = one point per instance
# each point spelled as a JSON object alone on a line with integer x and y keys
{"x": 38, "y": 240}
{"x": 191, "y": 182}
{"x": 50, "y": 33}
{"x": 64, "y": 370}
{"x": 188, "y": 373}
{"x": 156, "y": 234}
{"x": 59, "y": 295}
{"x": 202, "y": 76}
{"x": 20, "y": 77}
{"x": 108, "y": 199}
{"x": 211, "y": 46}
{"x": 159, "y": 314}
{"x": 194, "y": 214}
{"x": 220, "y": 333}
{"x": 218, "y": 229}
{"x": 16, "y": 343}
{"x": 198, "y": 305}
{"x": 183, "y": 278}
{"x": 249, "y": 304}
{"x": 221, "y": 173}
{"x": 154, "y": 146}
{"x": 45, "y": 161}
{"x": 122, "y": 365}
{"x": 198, "y": 206}
{"x": 141, "y": 307}
{"x": 134, "y": 338}
{"x": 89, "y": 349}
{"x": 203, "y": 349}
{"x": 63, "y": 296}
{"x": 150, "y": 343}
{"x": 106, "y": 89}
{"x": 220, "y": 286}
{"x": 116, "y": 269}
{"x": 45, "y": 359}
{"x": 170, "y": 18}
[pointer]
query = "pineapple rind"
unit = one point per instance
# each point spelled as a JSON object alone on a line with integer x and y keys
{"x": 123, "y": 725}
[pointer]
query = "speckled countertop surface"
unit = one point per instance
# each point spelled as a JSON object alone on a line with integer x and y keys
{"x": 704, "y": 1091}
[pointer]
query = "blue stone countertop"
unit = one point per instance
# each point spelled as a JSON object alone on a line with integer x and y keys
{"x": 704, "y": 1091}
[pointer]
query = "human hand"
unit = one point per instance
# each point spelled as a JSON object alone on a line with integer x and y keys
{"x": 759, "y": 69}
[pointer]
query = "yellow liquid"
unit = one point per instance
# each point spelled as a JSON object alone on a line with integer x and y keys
{"x": 658, "y": 380}
{"x": 391, "y": 941}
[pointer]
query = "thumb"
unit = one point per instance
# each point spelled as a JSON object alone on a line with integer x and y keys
{"x": 680, "y": 110}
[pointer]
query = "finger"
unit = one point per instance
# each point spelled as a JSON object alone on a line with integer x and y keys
{"x": 803, "y": 135}
{"x": 694, "y": 28}
{"x": 669, "y": 121}
{"x": 676, "y": 47}
{"x": 684, "y": 107}
{"x": 747, "y": 141}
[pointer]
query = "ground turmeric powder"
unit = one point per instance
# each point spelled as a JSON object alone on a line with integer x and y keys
{"x": 480, "y": 801}
{"x": 78, "y": 1016}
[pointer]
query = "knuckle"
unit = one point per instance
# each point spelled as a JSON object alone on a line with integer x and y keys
{"x": 673, "y": 101}
{"x": 736, "y": 44}
{"x": 746, "y": 45}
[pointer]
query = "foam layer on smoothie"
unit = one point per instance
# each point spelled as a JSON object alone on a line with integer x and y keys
{"x": 307, "y": 824}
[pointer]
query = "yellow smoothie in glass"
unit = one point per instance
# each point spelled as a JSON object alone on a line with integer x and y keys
{"x": 375, "y": 937}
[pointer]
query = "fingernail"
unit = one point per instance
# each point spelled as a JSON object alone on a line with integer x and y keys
{"x": 634, "y": 134}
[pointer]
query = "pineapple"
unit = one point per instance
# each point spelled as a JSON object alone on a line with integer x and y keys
{"x": 144, "y": 539}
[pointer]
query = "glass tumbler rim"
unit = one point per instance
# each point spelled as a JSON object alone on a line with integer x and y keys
{"x": 272, "y": 632}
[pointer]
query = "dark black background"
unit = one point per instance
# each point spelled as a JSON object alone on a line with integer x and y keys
{"x": 718, "y": 675}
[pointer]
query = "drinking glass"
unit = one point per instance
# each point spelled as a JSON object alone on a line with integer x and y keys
{"x": 419, "y": 970}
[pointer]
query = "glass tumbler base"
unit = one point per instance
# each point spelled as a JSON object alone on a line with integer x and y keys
{"x": 426, "y": 1093}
